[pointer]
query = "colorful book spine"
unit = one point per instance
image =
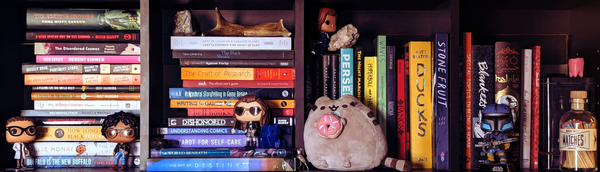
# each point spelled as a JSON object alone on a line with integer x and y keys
{"x": 220, "y": 164}
{"x": 77, "y": 161}
{"x": 535, "y": 106}
{"x": 233, "y": 54}
{"x": 46, "y": 48}
{"x": 229, "y": 112}
{"x": 219, "y": 121}
{"x": 230, "y": 43}
{"x": 78, "y": 148}
{"x": 86, "y": 88}
{"x": 206, "y": 141}
{"x": 83, "y": 36}
{"x": 83, "y": 19}
{"x": 87, "y": 59}
{"x": 325, "y": 75}
{"x": 235, "y": 63}
{"x": 82, "y": 79}
{"x": 421, "y": 105}
{"x": 525, "y": 107}
{"x": 204, "y": 103}
{"x": 237, "y": 84}
{"x": 335, "y": 77}
{"x": 72, "y": 113}
{"x": 440, "y": 105}
{"x": 401, "y": 110}
{"x": 407, "y": 102}
{"x": 468, "y": 91}
{"x": 230, "y": 93}
{"x": 225, "y": 153}
{"x": 482, "y": 95}
{"x": 508, "y": 90}
{"x": 347, "y": 71}
{"x": 69, "y": 121}
{"x": 391, "y": 110}
{"x": 81, "y": 68}
{"x": 358, "y": 73}
{"x": 86, "y": 105}
{"x": 201, "y": 73}
{"x": 370, "y": 92}
{"x": 84, "y": 96}
{"x": 379, "y": 44}
{"x": 69, "y": 133}
{"x": 200, "y": 130}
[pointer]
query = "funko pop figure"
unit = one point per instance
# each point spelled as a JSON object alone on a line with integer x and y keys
{"x": 496, "y": 120}
{"x": 122, "y": 128}
{"x": 327, "y": 24}
{"x": 19, "y": 131}
{"x": 250, "y": 113}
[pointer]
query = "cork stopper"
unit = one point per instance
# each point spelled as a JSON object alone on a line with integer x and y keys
{"x": 579, "y": 94}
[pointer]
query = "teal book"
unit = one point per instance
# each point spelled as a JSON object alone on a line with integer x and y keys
{"x": 346, "y": 71}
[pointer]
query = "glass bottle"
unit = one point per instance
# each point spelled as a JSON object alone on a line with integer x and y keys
{"x": 577, "y": 136}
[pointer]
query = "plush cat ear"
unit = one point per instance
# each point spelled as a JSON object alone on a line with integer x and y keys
{"x": 311, "y": 106}
{"x": 323, "y": 101}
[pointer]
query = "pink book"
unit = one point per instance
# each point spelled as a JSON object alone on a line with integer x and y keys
{"x": 86, "y": 59}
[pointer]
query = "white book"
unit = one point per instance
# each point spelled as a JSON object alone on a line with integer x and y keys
{"x": 230, "y": 43}
{"x": 78, "y": 148}
{"x": 86, "y": 105}
{"x": 526, "y": 109}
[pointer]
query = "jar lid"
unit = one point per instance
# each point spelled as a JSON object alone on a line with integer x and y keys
{"x": 579, "y": 94}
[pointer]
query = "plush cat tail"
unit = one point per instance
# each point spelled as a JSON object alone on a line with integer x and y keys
{"x": 400, "y": 165}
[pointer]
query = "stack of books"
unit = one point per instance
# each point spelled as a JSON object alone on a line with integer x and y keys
{"x": 84, "y": 70}
{"x": 216, "y": 72}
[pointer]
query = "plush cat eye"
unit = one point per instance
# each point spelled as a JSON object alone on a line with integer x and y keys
{"x": 322, "y": 107}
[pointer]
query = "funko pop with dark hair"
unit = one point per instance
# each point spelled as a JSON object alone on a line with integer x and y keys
{"x": 250, "y": 112}
{"x": 122, "y": 128}
{"x": 19, "y": 131}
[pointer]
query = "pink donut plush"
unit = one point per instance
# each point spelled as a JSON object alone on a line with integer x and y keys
{"x": 329, "y": 126}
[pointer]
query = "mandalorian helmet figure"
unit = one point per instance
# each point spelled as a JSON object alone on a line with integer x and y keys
{"x": 497, "y": 118}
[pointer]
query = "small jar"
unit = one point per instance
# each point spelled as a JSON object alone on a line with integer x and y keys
{"x": 577, "y": 136}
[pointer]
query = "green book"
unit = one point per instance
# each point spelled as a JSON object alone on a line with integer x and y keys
{"x": 380, "y": 46}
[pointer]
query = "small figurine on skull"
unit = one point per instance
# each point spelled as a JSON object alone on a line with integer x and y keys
{"x": 20, "y": 130}
{"x": 122, "y": 128}
{"x": 250, "y": 113}
{"x": 327, "y": 24}
{"x": 496, "y": 120}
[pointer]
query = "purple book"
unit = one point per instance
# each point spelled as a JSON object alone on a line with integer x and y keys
{"x": 206, "y": 141}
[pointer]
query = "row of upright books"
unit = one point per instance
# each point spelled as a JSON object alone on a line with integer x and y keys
{"x": 87, "y": 66}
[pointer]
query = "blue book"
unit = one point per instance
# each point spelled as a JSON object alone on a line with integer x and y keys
{"x": 346, "y": 71}
{"x": 76, "y": 161}
{"x": 210, "y": 130}
{"x": 231, "y": 93}
{"x": 440, "y": 91}
{"x": 220, "y": 164}
{"x": 221, "y": 152}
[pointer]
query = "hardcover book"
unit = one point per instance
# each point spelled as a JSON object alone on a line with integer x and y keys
{"x": 379, "y": 44}
{"x": 78, "y": 148}
{"x": 207, "y": 73}
{"x": 402, "y": 111}
{"x": 233, "y": 54}
{"x": 68, "y": 121}
{"x": 87, "y": 59}
{"x": 82, "y": 79}
{"x": 69, "y": 133}
{"x": 508, "y": 62}
{"x": 334, "y": 86}
{"x": 216, "y": 103}
{"x": 77, "y": 161}
{"x": 235, "y": 63}
{"x": 83, "y": 36}
{"x": 230, "y": 43}
{"x": 440, "y": 105}
{"x": 370, "y": 78}
{"x": 390, "y": 113}
{"x": 325, "y": 76}
{"x": 535, "y": 106}
{"x": 84, "y": 96}
{"x": 89, "y": 19}
{"x": 229, "y": 112}
{"x": 231, "y": 93}
{"x": 220, "y": 164}
{"x": 86, "y": 105}
{"x": 222, "y": 152}
{"x": 67, "y": 88}
{"x": 468, "y": 95}
{"x": 45, "y": 48}
{"x": 28, "y": 68}
{"x": 72, "y": 113}
{"x": 347, "y": 71}
{"x": 525, "y": 107}
{"x": 482, "y": 95}
{"x": 358, "y": 73}
{"x": 199, "y": 131}
{"x": 238, "y": 84}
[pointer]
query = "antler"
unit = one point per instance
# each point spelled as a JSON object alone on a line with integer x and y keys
{"x": 225, "y": 28}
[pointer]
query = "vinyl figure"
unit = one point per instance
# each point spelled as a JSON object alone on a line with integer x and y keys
{"x": 122, "y": 128}
{"x": 496, "y": 120}
{"x": 20, "y": 130}
{"x": 327, "y": 24}
{"x": 250, "y": 113}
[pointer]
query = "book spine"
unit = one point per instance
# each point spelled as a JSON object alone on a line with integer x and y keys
{"x": 283, "y": 121}
{"x": 407, "y": 102}
{"x": 72, "y": 113}
{"x": 233, "y": 54}
{"x": 44, "y": 48}
{"x": 77, "y": 161}
{"x": 326, "y": 75}
{"x": 508, "y": 90}
{"x": 358, "y": 73}
{"x": 83, "y": 96}
{"x": 78, "y": 148}
{"x": 204, "y": 103}
{"x": 206, "y": 141}
{"x": 440, "y": 93}
{"x": 421, "y": 105}
{"x": 230, "y": 43}
{"x": 69, "y": 133}
{"x": 88, "y": 19}
{"x": 69, "y": 121}
{"x": 231, "y": 93}
{"x": 381, "y": 70}
{"x": 392, "y": 123}
{"x": 87, "y": 88}
{"x": 347, "y": 71}
{"x": 225, "y": 153}
{"x": 86, "y": 59}
{"x": 208, "y": 73}
{"x": 535, "y": 106}
{"x": 82, "y": 79}
{"x": 86, "y": 105}
{"x": 229, "y": 112}
{"x": 201, "y": 122}
{"x": 525, "y": 107}
{"x": 468, "y": 91}
{"x": 237, "y": 84}
{"x": 401, "y": 110}
{"x": 335, "y": 77}
{"x": 371, "y": 83}
{"x": 200, "y": 131}
{"x": 235, "y": 63}
{"x": 80, "y": 68}
{"x": 220, "y": 164}
{"x": 482, "y": 95}
{"x": 82, "y": 36}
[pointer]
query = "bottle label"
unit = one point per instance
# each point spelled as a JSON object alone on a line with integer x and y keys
{"x": 577, "y": 139}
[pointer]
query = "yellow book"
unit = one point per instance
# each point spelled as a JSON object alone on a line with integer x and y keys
{"x": 203, "y": 103}
{"x": 370, "y": 84}
{"x": 214, "y": 73}
{"x": 69, "y": 133}
{"x": 421, "y": 107}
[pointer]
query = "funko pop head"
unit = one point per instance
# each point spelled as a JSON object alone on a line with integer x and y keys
{"x": 20, "y": 129}
{"x": 250, "y": 108}
{"x": 121, "y": 127}
{"x": 497, "y": 118}
{"x": 327, "y": 20}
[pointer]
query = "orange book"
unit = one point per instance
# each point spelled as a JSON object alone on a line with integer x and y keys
{"x": 81, "y": 79}
{"x": 84, "y": 96}
{"x": 468, "y": 89}
{"x": 211, "y": 73}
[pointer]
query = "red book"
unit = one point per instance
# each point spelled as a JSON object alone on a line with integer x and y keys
{"x": 238, "y": 84}
{"x": 535, "y": 106}
{"x": 401, "y": 117}
{"x": 468, "y": 64}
